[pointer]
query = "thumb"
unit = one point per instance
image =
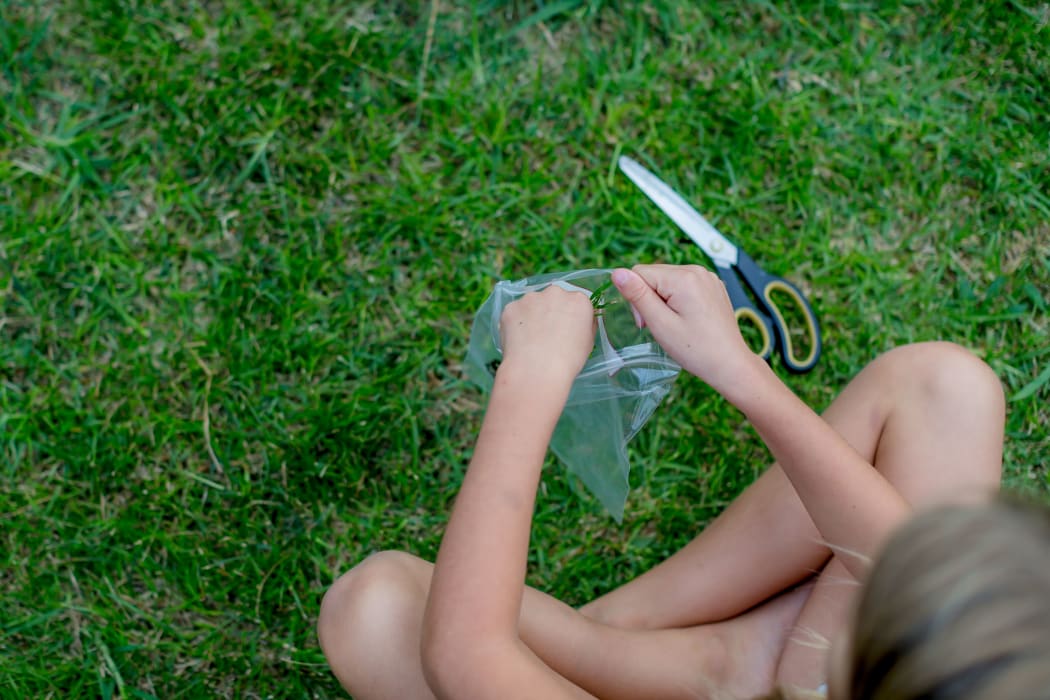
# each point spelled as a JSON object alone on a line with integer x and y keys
{"x": 643, "y": 298}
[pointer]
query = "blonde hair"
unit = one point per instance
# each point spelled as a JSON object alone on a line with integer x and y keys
{"x": 957, "y": 606}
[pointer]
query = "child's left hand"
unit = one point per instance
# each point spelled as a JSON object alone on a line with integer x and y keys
{"x": 548, "y": 333}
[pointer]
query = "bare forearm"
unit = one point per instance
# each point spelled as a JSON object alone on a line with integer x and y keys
{"x": 480, "y": 571}
{"x": 690, "y": 314}
{"x": 851, "y": 503}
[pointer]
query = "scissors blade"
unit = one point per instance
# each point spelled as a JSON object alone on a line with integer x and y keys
{"x": 717, "y": 246}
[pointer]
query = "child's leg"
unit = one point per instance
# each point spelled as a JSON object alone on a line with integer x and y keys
{"x": 928, "y": 416}
{"x": 941, "y": 442}
{"x": 370, "y": 627}
{"x": 765, "y": 540}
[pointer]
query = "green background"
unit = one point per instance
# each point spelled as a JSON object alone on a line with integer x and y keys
{"x": 241, "y": 244}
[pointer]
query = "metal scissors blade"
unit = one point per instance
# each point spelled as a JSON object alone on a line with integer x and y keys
{"x": 717, "y": 246}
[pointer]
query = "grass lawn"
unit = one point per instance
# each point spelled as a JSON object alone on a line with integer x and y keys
{"x": 241, "y": 245}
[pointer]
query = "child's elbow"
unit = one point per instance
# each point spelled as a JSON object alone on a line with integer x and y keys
{"x": 431, "y": 658}
{"x": 461, "y": 664}
{"x": 442, "y": 660}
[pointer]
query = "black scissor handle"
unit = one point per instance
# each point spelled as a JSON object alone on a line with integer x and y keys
{"x": 764, "y": 285}
{"x": 745, "y": 310}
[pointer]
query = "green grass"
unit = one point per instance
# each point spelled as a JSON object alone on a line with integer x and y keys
{"x": 241, "y": 245}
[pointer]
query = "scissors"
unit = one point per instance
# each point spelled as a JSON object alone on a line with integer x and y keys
{"x": 732, "y": 264}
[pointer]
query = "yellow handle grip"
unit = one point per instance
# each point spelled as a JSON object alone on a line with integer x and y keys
{"x": 791, "y": 358}
{"x": 752, "y": 317}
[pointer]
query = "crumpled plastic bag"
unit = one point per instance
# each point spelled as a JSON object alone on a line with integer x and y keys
{"x": 619, "y": 387}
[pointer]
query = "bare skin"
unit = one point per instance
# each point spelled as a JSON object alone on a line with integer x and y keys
{"x": 754, "y": 600}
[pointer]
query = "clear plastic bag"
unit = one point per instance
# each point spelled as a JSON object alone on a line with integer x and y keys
{"x": 617, "y": 390}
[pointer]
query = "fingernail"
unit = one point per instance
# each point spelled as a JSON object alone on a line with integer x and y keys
{"x": 637, "y": 316}
{"x": 620, "y": 276}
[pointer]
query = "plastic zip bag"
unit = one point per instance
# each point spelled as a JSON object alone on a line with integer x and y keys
{"x": 619, "y": 387}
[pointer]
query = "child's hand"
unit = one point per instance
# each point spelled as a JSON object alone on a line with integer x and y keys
{"x": 690, "y": 315}
{"x": 548, "y": 333}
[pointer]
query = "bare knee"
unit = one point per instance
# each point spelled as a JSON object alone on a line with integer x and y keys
{"x": 365, "y": 596}
{"x": 946, "y": 398}
{"x": 373, "y": 610}
{"x": 946, "y": 373}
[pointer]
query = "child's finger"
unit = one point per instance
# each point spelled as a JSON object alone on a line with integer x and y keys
{"x": 638, "y": 320}
{"x": 645, "y": 302}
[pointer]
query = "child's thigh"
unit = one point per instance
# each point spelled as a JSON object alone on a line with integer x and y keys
{"x": 370, "y": 630}
{"x": 733, "y": 658}
{"x": 942, "y": 439}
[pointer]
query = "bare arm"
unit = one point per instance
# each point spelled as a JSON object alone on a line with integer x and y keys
{"x": 470, "y": 645}
{"x": 852, "y": 504}
{"x": 688, "y": 312}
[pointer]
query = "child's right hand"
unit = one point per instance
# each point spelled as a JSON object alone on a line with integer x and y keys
{"x": 548, "y": 333}
{"x": 690, "y": 315}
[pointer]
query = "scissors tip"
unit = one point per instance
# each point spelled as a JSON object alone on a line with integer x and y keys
{"x": 625, "y": 162}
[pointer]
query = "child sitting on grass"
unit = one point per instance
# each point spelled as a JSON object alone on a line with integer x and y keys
{"x": 763, "y": 600}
